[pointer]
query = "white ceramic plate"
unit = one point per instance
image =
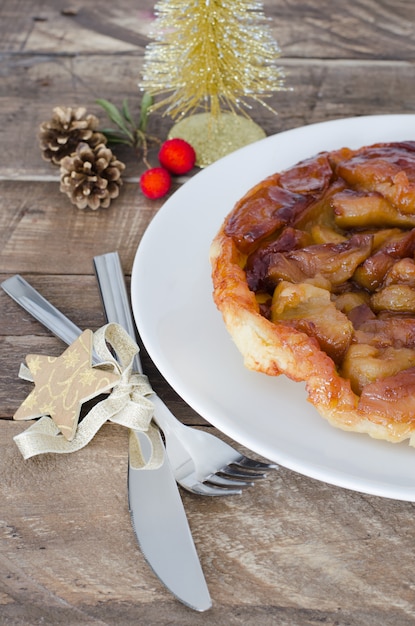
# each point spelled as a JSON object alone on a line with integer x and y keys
{"x": 185, "y": 336}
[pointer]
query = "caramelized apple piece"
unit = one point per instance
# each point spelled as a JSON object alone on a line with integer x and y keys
{"x": 283, "y": 267}
{"x": 380, "y": 236}
{"x": 364, "y": 364}
{"x": 360, "y": 315}
{"x": 259, "y": 261}
{"x": 320, "y": 211}
{"x": 402, "y": 272}
{"x": 371, "y": 274}
{"x": 309, "y": 309}
{"x": 380, "y": 348}
{"x": 400, "y": 245}
{"x": 261, "y": 215}
{"x": 398, "y": 191}
{"x": 384, "y": 236}
{"x": 276, "y": 202}
{"x": 349, "y": 300}
{"x": 394, "y": 395}
{"x": 335, "y": 262}
{"x": 310, "y": 176}
{"x": 383, "y": 168}
{"x": 354, "y": 209}
{"x": 397, "y": 298}
{"x": 318, "y": 280}
{"x": 324, "y": 234}
{"x": 398, "y": 332}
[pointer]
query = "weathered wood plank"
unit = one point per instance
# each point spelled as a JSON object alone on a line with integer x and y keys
{"x": 289, "y": 551}
{"x": 78, "y": 298}
{"x": 320, "y": 90}
{"x": 323, "y": 29}
{"x": 74, "y": 27}
{"x": 13, "y": 351}
{"x": 38, "y": 223}
{"x": 327, "y": 29}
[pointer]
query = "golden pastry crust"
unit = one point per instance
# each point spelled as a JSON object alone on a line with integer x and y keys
{"x": 313, "y": 271}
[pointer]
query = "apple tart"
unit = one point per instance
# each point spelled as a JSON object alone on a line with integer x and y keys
{"x": 314, "y": 273}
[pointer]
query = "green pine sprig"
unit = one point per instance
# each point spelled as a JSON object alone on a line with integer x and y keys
{"x": 127, "y": 131}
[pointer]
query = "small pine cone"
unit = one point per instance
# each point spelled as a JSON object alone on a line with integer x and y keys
{"x": 68, "y": 127}
{"x": 91, "y": 177}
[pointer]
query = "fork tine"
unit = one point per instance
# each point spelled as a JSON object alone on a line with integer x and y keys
{"x": 228, "y": 470}
{"x": 244, "y": 461}
{"x": 221, "y": 481}
{"x": 202, "y": 489}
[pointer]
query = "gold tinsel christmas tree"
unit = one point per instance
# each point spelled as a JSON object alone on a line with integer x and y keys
{"x": 210, "y": 59}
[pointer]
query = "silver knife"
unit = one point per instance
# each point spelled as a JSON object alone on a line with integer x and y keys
{"x": 157, "y": 512}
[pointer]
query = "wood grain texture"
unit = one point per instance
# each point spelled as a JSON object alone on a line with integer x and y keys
{"x": 292, "y": 551}
{"x": 302, "y": 553}
{"x": 78, "y": 298}
{"x": 327, "y": 89}
{"x": 327, "y": 29}
{"x": 39, "y": 219}
{"x": 332, "y": 29}
{"x": 340, "y": 59}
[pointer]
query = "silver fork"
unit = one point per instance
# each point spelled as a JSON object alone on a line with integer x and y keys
{"x": 202, "y": 463}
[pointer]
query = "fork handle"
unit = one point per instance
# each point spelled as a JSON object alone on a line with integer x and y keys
{"x": 40, "y": 308}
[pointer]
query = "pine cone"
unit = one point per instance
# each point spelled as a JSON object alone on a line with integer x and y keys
{"x": 91, "y": 177}
{"x": 62, "y": 133}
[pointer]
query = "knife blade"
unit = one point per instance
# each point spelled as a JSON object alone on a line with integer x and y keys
{"x": 176, "y": 548}
{"x": 157, "y": 511}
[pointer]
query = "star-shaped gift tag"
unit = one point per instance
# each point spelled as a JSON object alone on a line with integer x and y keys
{"x": 63, "y": 383}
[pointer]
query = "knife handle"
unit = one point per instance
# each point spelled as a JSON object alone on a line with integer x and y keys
{"x": 114, "y": 296}
{"x": 117, "y": 309}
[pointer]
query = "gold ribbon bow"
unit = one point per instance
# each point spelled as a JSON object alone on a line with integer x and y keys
{"x": 127, "y": 405}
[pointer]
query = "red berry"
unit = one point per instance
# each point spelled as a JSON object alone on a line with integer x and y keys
{"x": 155, "y": 182}
{"x": 177, "y": 156}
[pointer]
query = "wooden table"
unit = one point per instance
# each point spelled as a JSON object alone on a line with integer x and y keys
{"x": 292, "y": 551}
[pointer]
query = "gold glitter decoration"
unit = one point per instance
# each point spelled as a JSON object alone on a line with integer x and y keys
{"x": 210, "y": 55}
{"x": 215, "y": 137}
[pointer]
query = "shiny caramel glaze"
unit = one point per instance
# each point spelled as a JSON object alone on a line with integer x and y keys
{"x": 314, "y": 273}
